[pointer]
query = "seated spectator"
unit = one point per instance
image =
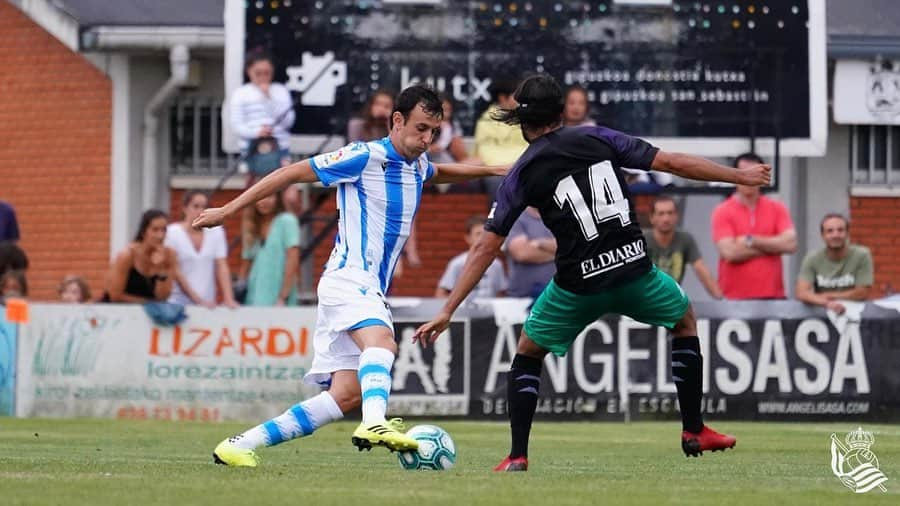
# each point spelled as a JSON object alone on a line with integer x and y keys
{"x": 751, "y": 232}
{"x": 577, "y": 108}
{"x": 202, "y": 257}
{"x": 672, "y": 249}
{"x": 373, "y": 122}
{"x": 12, "y": 258}
{"x": 74, "y": 290}
{"x": 145, "y": 270}
{"x": 271, "y": 254}
{"x": 9, "y": 226}
{"x": 13, "y": 284}
{"x": 261, "y": 114}
{"x": 492, "y": 284}
{"x": 532, "y": 250}
{"x": 840, "y": 270}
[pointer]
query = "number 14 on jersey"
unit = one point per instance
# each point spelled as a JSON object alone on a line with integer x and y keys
{"x": 608, "y": 202}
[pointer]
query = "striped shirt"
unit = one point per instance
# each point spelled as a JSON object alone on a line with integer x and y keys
{"x": 378, "y": 194}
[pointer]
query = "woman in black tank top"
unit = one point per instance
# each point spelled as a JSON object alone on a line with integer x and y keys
{"x": 144, "y": 271}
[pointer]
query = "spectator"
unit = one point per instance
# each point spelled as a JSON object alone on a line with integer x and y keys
{"x": 74, "y": 290}
{"x": 532, "y": 250}
{"x": 262, "y": 114}
{"x": 12, "y": 258}
{"x": 448, "y": 147}
{"x": 145, "y": 270}
{"x": 271, "y": 254}
{"x": 492, "y": 284}
{"x": 672, "y": 249}
{"x": 202, "y": 257}
{"x": 13, "y": 284}
{"x": 838, "y": 271}
{"x": 9, "y": 226}
{"x": 374, "y": 121}
{"x": 751, "y": 232}
{"x": 577, "y": 107}
{"x": 497, "y": 143}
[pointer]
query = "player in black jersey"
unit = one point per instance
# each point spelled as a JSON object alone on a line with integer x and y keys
{"x": 573, "y": 176}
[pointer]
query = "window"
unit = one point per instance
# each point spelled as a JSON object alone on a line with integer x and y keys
{"x": 875, "y": 154}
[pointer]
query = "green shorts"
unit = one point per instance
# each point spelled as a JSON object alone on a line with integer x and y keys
{"x": 558, "y": 316}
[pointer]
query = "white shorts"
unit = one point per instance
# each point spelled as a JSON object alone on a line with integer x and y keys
{"x": 348, "y": 299}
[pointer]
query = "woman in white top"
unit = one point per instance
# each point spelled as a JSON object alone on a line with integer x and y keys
{"x": 202, "y": 257}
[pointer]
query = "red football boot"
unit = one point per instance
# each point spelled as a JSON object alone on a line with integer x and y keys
{"x": 516, "y": 464}
{"x": 695, "y": 444}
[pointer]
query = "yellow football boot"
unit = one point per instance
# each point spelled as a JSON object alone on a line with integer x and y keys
{"x": 388, "y": 434}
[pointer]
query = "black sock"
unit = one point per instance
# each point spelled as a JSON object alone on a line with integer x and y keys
{"x": 521, "y": 396}
{"x": 687, "y": 372}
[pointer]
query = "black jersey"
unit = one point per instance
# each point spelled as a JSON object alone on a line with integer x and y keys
{"x": 573, "y": 177}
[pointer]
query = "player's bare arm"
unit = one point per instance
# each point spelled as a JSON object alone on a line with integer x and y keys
{"x": 300, "y": 172}
{"x": 701, "y": 169}
{"x": 457, "y": 172}
{"x": 785, "y": 242}
{"x": 479, "y": 259}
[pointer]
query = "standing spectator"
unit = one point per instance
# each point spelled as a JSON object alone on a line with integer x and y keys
{"x": 448, "y": 147}
{"x": 497, "y": 143}
{"x": 145, "y": 270}
{"x": 262, "y": 114}
{"x": 374, "y": 121}
{"x": 838, "y": 271}
{"x": 9, "y": 226}
{"x": 492, "y": 284}
{"x": 751, "y": 232}
{"x": 577, "y": 107}
{"x": 271, "y": 254}
{"x": 672, "y": 249}
{"x": 74, "y": 290}
{"x": 202, "y": 257}
{"x": 532, "y": 250}
{"x": 13, "y": 284}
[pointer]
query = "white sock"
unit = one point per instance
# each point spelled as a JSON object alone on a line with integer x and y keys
{"x": 300, "y": 420}
{"x": 375, "y": 383}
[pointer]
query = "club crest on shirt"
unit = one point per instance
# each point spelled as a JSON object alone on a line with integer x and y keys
{"x": 345, "y": 153}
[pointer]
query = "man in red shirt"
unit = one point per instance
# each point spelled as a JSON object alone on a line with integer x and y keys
{"x": 751, "y": 232}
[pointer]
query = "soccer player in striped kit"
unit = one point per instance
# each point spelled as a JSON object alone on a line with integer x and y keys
{"x": 379, "y": 186}
{"x": 573, "y": 176}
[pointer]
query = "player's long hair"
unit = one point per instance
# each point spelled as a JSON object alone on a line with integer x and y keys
{"x": 540, "y": 101}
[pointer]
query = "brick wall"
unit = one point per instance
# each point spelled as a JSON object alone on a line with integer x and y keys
{"x": 55, "y": 114}
{"x": 874, "y": 225}
{"x": 440, "y": 223}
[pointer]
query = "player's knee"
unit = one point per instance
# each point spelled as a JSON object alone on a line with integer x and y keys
{"x": 529, "y": 348}
{"x": 687, "y": 326}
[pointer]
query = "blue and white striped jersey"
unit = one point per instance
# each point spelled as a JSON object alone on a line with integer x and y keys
{"x": 378, "y": 194}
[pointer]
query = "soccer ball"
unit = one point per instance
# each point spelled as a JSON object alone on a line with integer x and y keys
{"x": 436, "y": 449}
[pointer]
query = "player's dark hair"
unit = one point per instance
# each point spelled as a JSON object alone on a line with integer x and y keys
{"x": 662, "y": 198}
{"x": 148, "y": 216}
{"x": 501, "y": 86}
{"x": 415, "y": 95}
{"x": 540, "y": 104}
{"x": 747, "y": 157}
{"x": 830, "y": 216}
{"x": 478, "y": 219}
{"x": 255, "y": 56}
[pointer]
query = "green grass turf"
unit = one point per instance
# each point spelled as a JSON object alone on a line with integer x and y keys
{"x": 91, "y": 462}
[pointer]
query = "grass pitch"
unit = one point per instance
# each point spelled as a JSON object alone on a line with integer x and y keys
{"x": 94, "y": 462}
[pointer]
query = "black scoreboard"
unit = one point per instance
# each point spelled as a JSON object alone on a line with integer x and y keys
{"x": 665, "y": 69}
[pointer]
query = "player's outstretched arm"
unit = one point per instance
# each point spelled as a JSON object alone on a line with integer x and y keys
{"x": 457, "y": 172}
{"x": 300, "y": 172}
{"x": 479, "y": 259}
{"x": 701, "y": 169}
